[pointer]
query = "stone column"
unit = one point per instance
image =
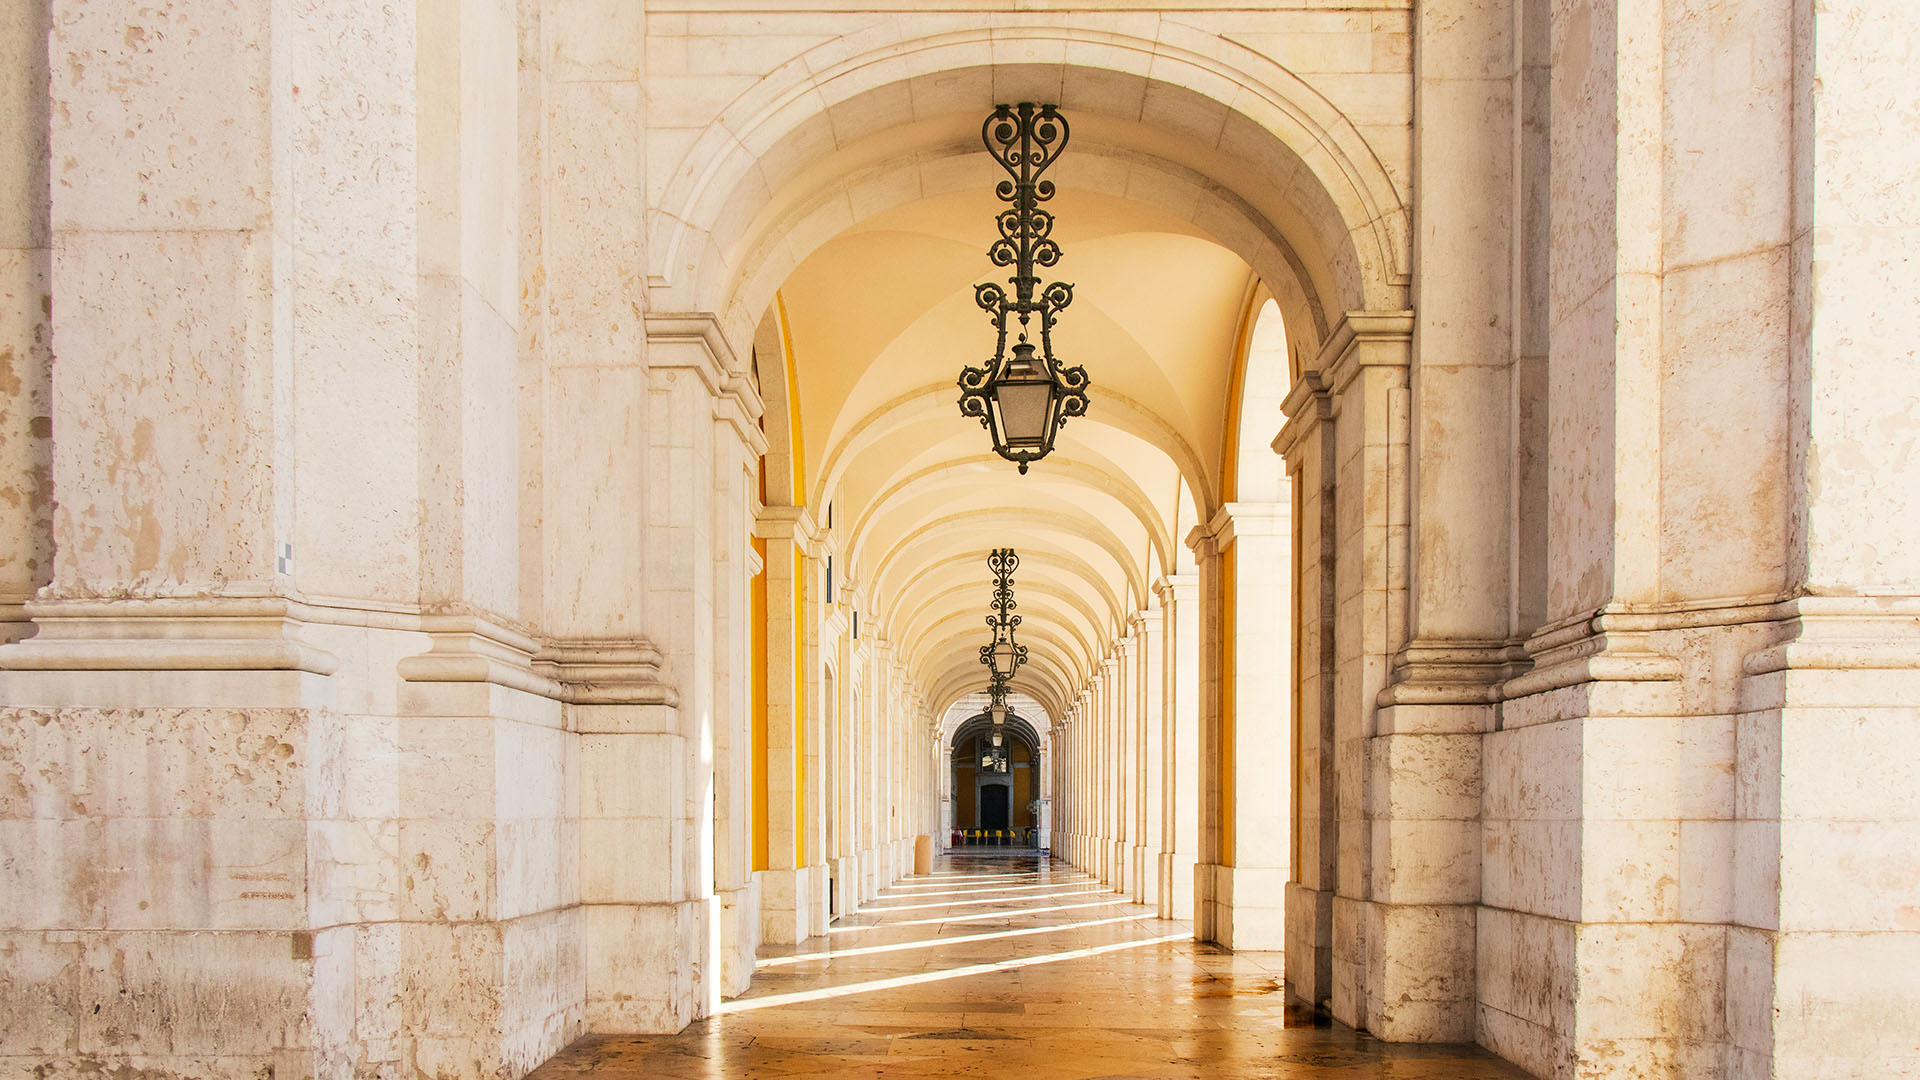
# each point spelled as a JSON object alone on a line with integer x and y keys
{"x": 1822, "y": 954}
{"x": 1307, "y": 441}
{"x": 1124, "y": 765}
{"x": 1215, "y": 800}
{"x": 1180, "y": 743}
{"x": 1364, "y": 368}
{"x": 1253, "y": 547}
{"x": 1109, "y": 714}
{"x": 1149, "y": 776}
{"x": 26, "y": 330}
{"x": 737, "y": 450}
{"x": 794, "y": 845}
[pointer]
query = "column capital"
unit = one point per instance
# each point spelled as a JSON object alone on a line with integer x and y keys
{"x": 693, "y": 341}
{"x": 795, "y": 523}
{"x": 1306, "y": 405}
{"x": 1236, "y": 519}
{"x": 1175, "y": 588}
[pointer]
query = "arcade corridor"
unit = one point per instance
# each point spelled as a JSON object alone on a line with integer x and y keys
{"x": 1001, "y": 965}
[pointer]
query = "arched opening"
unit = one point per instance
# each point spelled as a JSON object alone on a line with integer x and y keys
{"x": 1157, "y": 563}
{"x": 996, "y": 771}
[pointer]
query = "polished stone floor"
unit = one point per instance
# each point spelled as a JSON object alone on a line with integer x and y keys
{"x": 1000, "y": 965}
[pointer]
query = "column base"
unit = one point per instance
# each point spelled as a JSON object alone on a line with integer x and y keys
{"x": 1122, "y": 861}
{"x": 843, "y": 886}
{"x": 786, "y": 905}
{"x": 739, "y": 936}
{"x": 1309, "y": 944}
{"x": 1427, "y": 992}
{"x": 1146, "y": 877}
{"x": 821, "y": 918}
{"x": 643, "y": 977}
{"x": 1176, "y": 886}
{"x": 1248, "y": 906}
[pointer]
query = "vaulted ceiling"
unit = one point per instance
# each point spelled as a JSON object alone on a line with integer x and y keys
{"x": 879, "y": 321}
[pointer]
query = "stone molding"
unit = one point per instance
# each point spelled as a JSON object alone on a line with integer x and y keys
{"x": 1177, "y": 589}
{"x": 1342, "y": 357}
{"x": 265, "y": 633}
{"x": 1306, "y": 405}
{"x": 735, "y": 401}
{"x": 1235, "y": 519}
{"x": 1876, "y": 633}
{"x": 794, "y": 523}
{"x": 581, "y": 671}
{"x": 1452, "y": 672}
{"x": 212, "y": 633}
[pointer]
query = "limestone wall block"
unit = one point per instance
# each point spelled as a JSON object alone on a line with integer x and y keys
{"x": 1532, "y": 866}
{"x": 26, "y": 389}
{"x": 1525, "y": 970}
{"x": 176, "y": 97}
{"x": 355, "y": 766}
{"x": 637, "y": 977}
{"x": 1725, "y": 413}
{"x": 447, "y": 870}
{"x": 1655, "y": 982}
{"x": 597, "y": 507}
{"x": 455, "y": 1013}
{"x": 1427, "y": 776}
{"x": 1727, "y": 138}
{"x": 1426, "y": 861}
{"x": 1859, "y": 414}
{"x": 356, "y": 1012}
{"x": 187, "y": 763}
{"x": 1707, "y": 871}
{"x": 355, "y": 871}
{"x": 595, "y": 266}
{"x": 42, "y": 973}
{"x": 1847, "y": 764}
{"x": 168, "y": 484}
{"x": 447, "y": 768}
{"x": 543, "y": 987}
{"x": 536, "y": 865}
{"x": 356, "y": 426}
{"x": 183, "y": 1001}
{"x": 1857, "y": 876}
{"x": 1629, "y": 871}
{"x": 1657, "y": 767}
{"x": 1823, "y": 1026}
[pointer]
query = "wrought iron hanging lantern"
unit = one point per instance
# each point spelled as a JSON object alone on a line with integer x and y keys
{"x": 1003, "y": 655}
{"x": 1024, "y": 399}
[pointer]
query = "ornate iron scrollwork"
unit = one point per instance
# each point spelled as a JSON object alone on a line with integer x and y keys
{"x": 1023, "y": 399}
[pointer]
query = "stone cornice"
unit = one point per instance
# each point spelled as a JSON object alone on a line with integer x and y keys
{"x": 1177, "y": 587}
{"x": 1863, "y": 633}
{"x": 693, "y": 341}
{"x": 581, "y": 671}
{"x": 794, "y": 523}
{"x": 207, "y": 633}
{"x": 1307, "y": 405}
{"x": 268, "y": 633}
{"x": 1237, "y": 519}
{"x": 1344, "y": 354}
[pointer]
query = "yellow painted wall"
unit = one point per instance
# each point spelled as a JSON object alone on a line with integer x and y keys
{"x": 1229, "y": 491}
{"x": 757, "y": 618}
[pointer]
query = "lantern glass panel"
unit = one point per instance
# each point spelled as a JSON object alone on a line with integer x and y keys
{"x": 1003, "y": 659}
{"x": 1023, "y": 400}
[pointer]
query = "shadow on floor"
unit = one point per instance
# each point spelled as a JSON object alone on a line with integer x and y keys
{"x": 1001, "y": 963}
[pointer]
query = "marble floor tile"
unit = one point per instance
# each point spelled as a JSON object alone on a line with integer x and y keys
{"x": 951, "y": 976}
